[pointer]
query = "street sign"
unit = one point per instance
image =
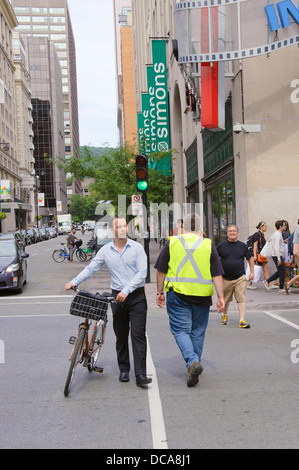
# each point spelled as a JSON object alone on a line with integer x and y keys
{"x": 136, "y": 198}
{"x": 137, "y": 204}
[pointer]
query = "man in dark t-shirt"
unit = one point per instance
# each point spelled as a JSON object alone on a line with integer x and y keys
{"x": 233, "y": 253}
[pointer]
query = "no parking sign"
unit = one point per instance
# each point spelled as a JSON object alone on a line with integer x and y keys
{"x": 136, "y": 204}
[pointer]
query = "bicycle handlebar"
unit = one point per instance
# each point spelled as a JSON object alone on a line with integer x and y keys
{"x": 100, "y": 295}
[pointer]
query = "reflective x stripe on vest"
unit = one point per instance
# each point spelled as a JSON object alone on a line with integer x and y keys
{"x": 190, "y": 257}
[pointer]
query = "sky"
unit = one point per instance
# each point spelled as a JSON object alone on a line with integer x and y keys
{"x": 93, "y": 28}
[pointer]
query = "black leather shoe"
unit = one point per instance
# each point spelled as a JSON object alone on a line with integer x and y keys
{"x": 142, "y": 380}
{"x": 124, "y": 377}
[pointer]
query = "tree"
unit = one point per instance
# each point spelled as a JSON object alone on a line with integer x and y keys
{"x": 114, "y": 174}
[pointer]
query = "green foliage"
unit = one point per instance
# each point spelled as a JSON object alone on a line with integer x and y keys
{"x": 82, "y": 208}
{"x": 113, "y": 171}
{"x": 2, "y": 215}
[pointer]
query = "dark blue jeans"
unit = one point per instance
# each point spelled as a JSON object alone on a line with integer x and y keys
{"x": 280, "y": 273}
{"x": 188, "y": 324}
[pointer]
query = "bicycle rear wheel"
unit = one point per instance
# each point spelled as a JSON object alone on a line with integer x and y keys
{"x": 96, "y": 345}
{"x": 58, "y": 256}
{"x": 74, "y": 361}
{"x": 81, "y": 256}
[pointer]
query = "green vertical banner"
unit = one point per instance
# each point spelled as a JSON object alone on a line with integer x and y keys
{"x": 161, "y": 100}
{"x": 152, "y": 113}
{"x": 140, "y": 125}
{"x": 146, "y": 123}
{"x": 153, "y": 122}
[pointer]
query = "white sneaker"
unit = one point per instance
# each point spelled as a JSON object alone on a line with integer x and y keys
{"x": 266, "y": 285}
{"x": 281, "y": 290}
{"x": 251, "y": 287}
{"x": 274, "y": 286}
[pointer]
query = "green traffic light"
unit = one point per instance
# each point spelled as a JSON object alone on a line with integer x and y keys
{"x": 142, "y": 185}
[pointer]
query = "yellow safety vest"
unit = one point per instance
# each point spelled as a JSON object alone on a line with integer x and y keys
{"x": 189, "y": 267}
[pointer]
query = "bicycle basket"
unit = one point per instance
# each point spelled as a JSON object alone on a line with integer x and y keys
{"x": 89, "y": 306}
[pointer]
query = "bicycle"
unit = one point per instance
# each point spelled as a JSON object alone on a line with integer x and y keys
{"x": 86, "y": 349}
{"x": 90, "y": 249}
{"x": 60, "y": 255}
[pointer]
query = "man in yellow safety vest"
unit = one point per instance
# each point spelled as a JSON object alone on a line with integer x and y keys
{"x": 188, "y": 267}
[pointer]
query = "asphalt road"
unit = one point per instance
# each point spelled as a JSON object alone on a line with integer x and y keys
{"x": 247, "y": 396}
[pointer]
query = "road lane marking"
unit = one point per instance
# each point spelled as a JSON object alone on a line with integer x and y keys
{"x": 36, "y": 316}
{"x": 156, "y": 412}
{"x": 31, "y": 303}
{"x": 280, "y": 318}
{"x": 38, "y": 297}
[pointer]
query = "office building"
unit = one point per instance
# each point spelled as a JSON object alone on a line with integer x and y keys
{"x": 13, "y": 200}
{"x": 126, "y": 118}
{"x": 238, "y": 176}
{"x": 48, "y": 125}
{"x": 51, "y": 19}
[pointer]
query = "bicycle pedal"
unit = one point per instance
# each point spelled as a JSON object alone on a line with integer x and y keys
{"x": 72, "y": 339}
{"x": 98, "y": 369}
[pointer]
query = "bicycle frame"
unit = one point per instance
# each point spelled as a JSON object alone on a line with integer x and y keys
{"x": 86, "y": 348}
{"x": 86, "y": 351}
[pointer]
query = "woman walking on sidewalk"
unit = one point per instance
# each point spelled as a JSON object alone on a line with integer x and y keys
{"x": 275, "y": 244}
{"x": 259, "y": 242}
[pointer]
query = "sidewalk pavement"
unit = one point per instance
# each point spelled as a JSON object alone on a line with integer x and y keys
{"x": 258, "y": 299}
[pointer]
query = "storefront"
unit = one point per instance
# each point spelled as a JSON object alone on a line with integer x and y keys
{"x": 219, "y": 177}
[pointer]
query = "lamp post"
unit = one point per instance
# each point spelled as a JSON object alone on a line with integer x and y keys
{"x": 19, "y": 216}
{"x": 36, "y": 199}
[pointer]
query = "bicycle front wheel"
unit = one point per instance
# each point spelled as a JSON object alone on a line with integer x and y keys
{"x": 81, "y": 256}
{"x": 58, "y": 256}
{"x": 74, "y": 361}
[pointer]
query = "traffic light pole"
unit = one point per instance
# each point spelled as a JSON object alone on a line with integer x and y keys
{"x": 146, "y": 241}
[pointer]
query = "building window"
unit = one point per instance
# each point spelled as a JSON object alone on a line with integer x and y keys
{"x": 22, "y": 10}
{"x": 57, "y": 19}
{"x": 39, "y": 19}
{"x": 40, "y": 11}
{"x": 223, "y": 208}
{"x": 23, "y": 19}
{"x": 57, "y": 11}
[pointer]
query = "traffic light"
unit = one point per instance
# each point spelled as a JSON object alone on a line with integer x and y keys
{"x": 141, "y": 162}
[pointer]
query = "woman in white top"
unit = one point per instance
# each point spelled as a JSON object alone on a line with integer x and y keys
{"x": 276, "y": 242}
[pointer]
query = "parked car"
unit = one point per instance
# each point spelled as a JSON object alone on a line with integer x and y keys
{"x": 14, "y": 236}
{"x": 32, "y": 234}
{"x": 52, "y": 232}
{"x": 38, "y": 234}
{"x": 26, "y": 237}
{"x": 13, "y": 265}
{"x": 44, "y": 234}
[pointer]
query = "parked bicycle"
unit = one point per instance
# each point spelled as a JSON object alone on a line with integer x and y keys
{"x": 90, "y": 249}
{"x": 62, "y": 254}
{"x": 86, "y": 346}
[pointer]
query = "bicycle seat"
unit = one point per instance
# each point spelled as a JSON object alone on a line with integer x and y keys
{"x": 62, "y": 244}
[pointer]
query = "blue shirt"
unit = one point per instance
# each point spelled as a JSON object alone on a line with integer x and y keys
{"x": 127, "y": 269}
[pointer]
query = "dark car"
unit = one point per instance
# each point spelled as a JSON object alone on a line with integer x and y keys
{"x": 32, "y": 234}
{"x": 38, "y": 234}
{"x": 26, "y": 237}
{"x": 13, "y": 265}
{"x": 17, "y": 236}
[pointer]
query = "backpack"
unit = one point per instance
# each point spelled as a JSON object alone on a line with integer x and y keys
{"x": 291, "y": 244}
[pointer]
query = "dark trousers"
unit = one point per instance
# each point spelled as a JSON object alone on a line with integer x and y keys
{"x": 131, "y": 315}
{"x": 280, "y": 273}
